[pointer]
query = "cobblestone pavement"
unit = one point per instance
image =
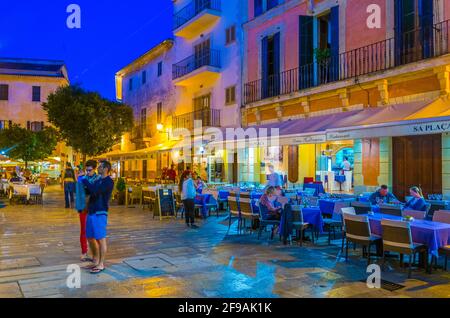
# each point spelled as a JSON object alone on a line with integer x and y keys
{"x": 152, "y": 258}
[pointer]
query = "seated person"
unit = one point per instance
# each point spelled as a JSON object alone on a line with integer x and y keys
{"x": 15, "y": 178}
{"x": 199, "y": 185}
{"x": 268, "y": 203}
{"x": 417, "y": 203}
{"x": 383, "y": 194}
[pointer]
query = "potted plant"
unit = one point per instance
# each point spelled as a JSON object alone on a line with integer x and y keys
{"x": 323, "y": 58}
{"x": 121, "y": 187}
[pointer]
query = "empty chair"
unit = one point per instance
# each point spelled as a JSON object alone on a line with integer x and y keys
{"x": 361, "y": 207}
{"x": 397, "y": 238}
{"x": 349, "y": 210}
{"x": 233, "y": 212}
{"x": 300, "y": 225}
{"x": 246, "y": 209}
{"x": 357, "y": 231}
{"x": 442, "y": 216}
{"x": 135, "y": 195}
{"x": 244, "y": 195}
{"x": 435, "y": 205}
{"x": 391, "y": 209}
{"x": 222, "y": 199}
{"x": 418, "y": 215}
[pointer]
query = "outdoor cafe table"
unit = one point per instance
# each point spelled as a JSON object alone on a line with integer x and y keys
{"x": 316, "y": 186}
{"x": 327, "y": 205}
{"x": 25, "y": 190}
{"x": 311, "y": 215}
{"x": 433, "y": 234}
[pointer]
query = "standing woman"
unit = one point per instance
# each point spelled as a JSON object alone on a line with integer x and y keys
{"x": 417, "y": 202}
{"x": 187, "y": 189}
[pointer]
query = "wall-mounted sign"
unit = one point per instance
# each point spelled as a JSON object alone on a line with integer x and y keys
{"x": 311, "y": 139}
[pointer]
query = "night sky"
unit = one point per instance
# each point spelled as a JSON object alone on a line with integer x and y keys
{"x": 112, "y": 34}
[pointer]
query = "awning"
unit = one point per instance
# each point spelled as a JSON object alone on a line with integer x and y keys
{"x": 142, "y": 153}
{"x": 423, "y": 117}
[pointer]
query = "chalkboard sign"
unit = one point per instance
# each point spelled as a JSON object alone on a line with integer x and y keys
{"x": 166, "y": 204}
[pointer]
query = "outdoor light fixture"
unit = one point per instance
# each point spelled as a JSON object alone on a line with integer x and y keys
{"x": 160, "y": 127}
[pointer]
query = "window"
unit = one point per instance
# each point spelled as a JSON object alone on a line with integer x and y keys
{"x": 160, "y": 65}
{"x": 159, "y": 113}
{"x": 5, "y": 124}
{"x": 144, "y": 77}
{"x": 230, "y": 95}
{"x": 272, "y": 4}
{"x": 144, "y": 117}
{"x": 130, "y": 84}
{"x": 36, "y": 94}
{"x": 35, "y": 125}
{"x": 258, "y": 8}
{"x": 4, "y": 91}
{"x": 231, "y": 34}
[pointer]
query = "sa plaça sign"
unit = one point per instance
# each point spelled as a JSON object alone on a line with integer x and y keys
{"x": 388, "y": 131}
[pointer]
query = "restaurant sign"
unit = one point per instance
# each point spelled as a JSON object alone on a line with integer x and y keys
{"x": 311, "y": 139}
{"x": 424, "y": 128}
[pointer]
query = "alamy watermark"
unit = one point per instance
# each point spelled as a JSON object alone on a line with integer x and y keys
{"x": 74, "y": 19}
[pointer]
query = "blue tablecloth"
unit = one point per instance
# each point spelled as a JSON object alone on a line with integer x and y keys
{"x": 432, "y": 234}
{"x": 313, "y": 216}
{"x": 340, "y": 179}
{"x": 203, "y": 200}
{"x": 317, "y": 186}
{"x": 327, "y": 206}
{"x": 223, "y": 194}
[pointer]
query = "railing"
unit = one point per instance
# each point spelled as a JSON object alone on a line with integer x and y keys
{"x": 384, "y": 55}
{"x": 193, "y": 9}
{"x": 140, "y": 132}
{"x": 208, "y": 117}
{"x": 196, "y": 61}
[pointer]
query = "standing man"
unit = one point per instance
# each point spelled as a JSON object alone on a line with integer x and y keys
{"x": 69, "y": 185}
{"x": 347, "y": 170}
{"x": 171, "y": 173}
{"x": 96, "y": 225}
{"x": 274, "y": 179}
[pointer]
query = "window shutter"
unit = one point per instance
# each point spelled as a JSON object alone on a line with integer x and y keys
{"x": 426, "y": 14}
{"x": 258, "y": 8}
{"x": 264, "y": 66}
{"x": 334, "y": 44}
{"x": 276, "y": 64}
{"x": 399, "y": 13}
{"x": 306, "y": 49}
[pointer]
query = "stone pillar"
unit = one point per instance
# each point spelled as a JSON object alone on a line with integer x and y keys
{"x": 443, "y": 75}
{"x": 258, "y": 116}
{"x": 384, "y": 92}
{"x": 279, "y": 111}
{"x": 343, "y": 95}
{"x": 385, "y": 176}
{"x": 446, "y": 165}
{"x": 358, "y": 177}
{"x": 306, "y": 108}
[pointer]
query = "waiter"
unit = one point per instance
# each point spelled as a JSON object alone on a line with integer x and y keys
{"x": 274, "y": 179}
{"x": 347, "y": 169}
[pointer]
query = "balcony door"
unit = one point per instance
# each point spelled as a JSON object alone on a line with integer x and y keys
{"x": 202, "y": 54}
{"x": 413, "y": 30}
{"x": 270, "y": 68}
{"x": 202, "y": 109}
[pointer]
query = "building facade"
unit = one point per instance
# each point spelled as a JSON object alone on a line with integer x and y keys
{"x": 200, "y": 81}
{"x": 363, "y": 79}
{"x": 24, "y": 85}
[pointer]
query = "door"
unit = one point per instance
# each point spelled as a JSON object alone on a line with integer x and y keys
{"x": 202, "y": 54}
{"x": 417, "y": 161}
{"x": 202, "y": 109}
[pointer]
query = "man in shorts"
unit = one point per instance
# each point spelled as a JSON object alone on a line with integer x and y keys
{"x": 96, "y": 225}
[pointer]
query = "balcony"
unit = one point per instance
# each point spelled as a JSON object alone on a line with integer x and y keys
{"x": 208, "y": 117}
{"x": 196, "y": 17}
{"x": 141, "y": 133}
{"x": 197, "y": 69}
{"x": 412, "y": 47}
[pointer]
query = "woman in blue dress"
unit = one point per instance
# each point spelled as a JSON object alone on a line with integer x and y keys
{"x": 417, "y": 202}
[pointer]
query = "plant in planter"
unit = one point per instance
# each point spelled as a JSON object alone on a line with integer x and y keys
{"x": 121, "y": 187}
{"x": 323, "y": 58}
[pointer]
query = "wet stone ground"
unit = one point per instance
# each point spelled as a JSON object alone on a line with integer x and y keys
{"x": 152, "y": 258}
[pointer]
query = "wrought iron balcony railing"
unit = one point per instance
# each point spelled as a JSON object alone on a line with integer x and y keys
{"x": 208, "y": 117}
{"x": 193, "y": 9}
{"x": 384, "y": 55}
{"x": 141, "y": 132}
{"x": 196, "y": 61}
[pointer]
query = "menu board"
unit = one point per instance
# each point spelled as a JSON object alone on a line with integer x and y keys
{"x": 166, "y": 204}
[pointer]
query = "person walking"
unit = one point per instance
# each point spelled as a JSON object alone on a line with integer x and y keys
{"x": 69, "y": 185}
{"x": 97, "y": 220}
{"x": 188, "y": 193}
{"x": 274, "y": 179}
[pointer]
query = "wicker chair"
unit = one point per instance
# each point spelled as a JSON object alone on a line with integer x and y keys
{"x": 361, "y": 207}
{"x": 397, "y": 238}
{"x": 233, "y": 212}
{"x": 357, "y": 231}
